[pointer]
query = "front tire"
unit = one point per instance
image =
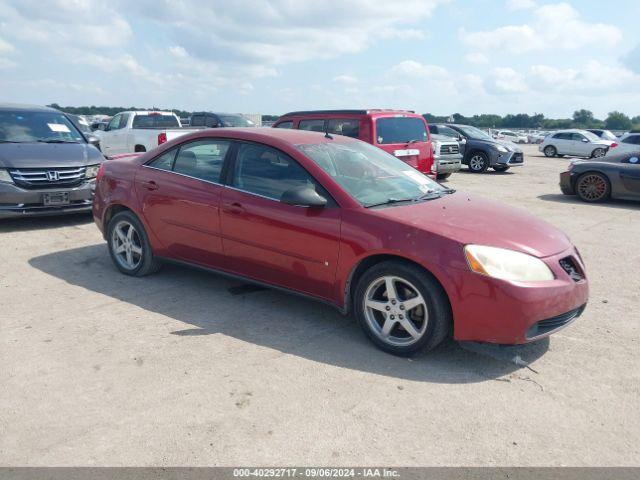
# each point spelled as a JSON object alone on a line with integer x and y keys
{"x": 478, "y": 162}
{"x": 550, "y": 151}
{"x": 129, "y": 245}
{"x": 402, "y": 308}
{"x": 443, "y": 176}
{"x": 501, "y": 168}
{"x": 593, "y": 187}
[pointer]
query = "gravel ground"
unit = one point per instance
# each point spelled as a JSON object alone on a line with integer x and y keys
{"x": 181, "y": 368}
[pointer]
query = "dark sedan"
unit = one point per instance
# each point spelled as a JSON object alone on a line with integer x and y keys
{"x": 47, "y": 166}
{"x": 597, "y": 180}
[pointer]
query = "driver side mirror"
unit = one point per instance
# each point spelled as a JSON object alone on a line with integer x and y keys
{"x": 93, "y": 140}
{"x": 303, "y": 197}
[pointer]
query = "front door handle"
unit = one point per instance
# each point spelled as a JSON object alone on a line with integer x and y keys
{"x": 150, "y": 185}
{"x": 234, "y": 208}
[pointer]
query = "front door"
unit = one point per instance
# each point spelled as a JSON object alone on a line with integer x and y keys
{"x": 630, "y": 176}
{"x": 180, "y": 196}
{"x": 267, "y": 240}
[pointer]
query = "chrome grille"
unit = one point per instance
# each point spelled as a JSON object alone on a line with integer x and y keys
{"x": 48, "y": 177}
{"x": 449, "y": 149}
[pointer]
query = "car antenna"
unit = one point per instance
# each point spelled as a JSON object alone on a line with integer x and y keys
{"x": 327, "y": 134}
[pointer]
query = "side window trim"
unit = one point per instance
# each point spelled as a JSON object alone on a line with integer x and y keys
{"x": 230, "y": 164}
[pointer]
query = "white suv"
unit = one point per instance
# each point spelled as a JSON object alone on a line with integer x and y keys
{"x": 579, "y": 143}
{"x": 628, "y": 143}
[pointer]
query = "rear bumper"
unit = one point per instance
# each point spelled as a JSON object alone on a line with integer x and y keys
{"x": 19, "y": 202}
{"x": 566, "y": 183}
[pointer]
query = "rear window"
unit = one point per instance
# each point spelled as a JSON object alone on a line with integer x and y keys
{"x": 400, "y": 130}
{"x": 155, "y": 121}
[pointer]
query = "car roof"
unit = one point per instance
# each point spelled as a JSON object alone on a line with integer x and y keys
{"x": 25, "y": 107}
{"x": 371, "y": 111}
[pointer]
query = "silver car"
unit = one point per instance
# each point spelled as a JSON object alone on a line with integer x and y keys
{"x": 578, "y": 143}
{"x": 446, "y": 155}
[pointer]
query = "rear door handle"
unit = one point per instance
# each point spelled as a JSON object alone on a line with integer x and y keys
{"x": 150, "y": 185}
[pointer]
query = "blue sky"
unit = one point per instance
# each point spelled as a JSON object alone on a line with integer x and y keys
{"x": 436, "y": 56}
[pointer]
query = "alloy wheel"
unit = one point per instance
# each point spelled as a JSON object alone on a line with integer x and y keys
{"x": 395, "y": 311}
{"x": 592, "y": 187}
{"x": 549, "y": 151}
{"x": 126, "y": 245}
{"x": 477, "y": 162}
{"x": 598, "y": 152}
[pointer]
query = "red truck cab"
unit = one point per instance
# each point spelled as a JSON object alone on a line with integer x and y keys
{"x": 402, "y": 133}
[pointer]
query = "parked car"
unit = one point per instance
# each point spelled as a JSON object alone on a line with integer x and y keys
{"x": 511, "y": 136}
{"x": 614, "y": 176}
{"x": 628, "y": 143}
{"x": 480, "y": 151}
{"x": 537, "y": 137}
{"x": 217, "y": 120}
{"x": 339, "y": 220}
{"x": 579, "y": 143}
{"x": 402, "y": 133}
{"x": 446, "y": 155}
{"x": 139, "y": 131}
{"x": 47, "y": 166}
{"x": 604, "y": 134}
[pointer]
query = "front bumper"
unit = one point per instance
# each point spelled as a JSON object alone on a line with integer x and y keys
{"x": 496, "y": 311}
{"x": 448, "y": 165}
{"x": 19, "y": 202}
{"x": 566, "y": 183}
{"x": 508, "y": 159}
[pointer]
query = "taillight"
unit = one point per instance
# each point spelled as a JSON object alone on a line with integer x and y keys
{"x": 162, "y": 138}
{"x": 100, "y": 173}
{"x": 613, "y": 145}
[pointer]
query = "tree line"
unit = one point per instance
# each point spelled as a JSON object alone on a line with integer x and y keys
{"x": 581, "y": 118}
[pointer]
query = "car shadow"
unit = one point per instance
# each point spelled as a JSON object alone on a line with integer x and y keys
{"x": 489, "y": 171}
{"x": 210, "y": 304}
{"x": 43, "y": 223}
{"x": 574, "y": 200}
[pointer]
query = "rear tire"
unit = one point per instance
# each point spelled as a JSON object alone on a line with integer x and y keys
{"x": 593, "y": 187}
{"x": 129, "y": 245}
{"x": 478, "y": 162}
{"x": 415, "y": 317}
{"x": 598, "y": 152}
{"x": 443, "y": 176}
{"x": 550, "y": 151}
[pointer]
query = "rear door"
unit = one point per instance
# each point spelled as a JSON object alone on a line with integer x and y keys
{"x": 267, "y": 240}
{"x": 180, "y": 196}
{"x": 630, "y": 175}
{"x": 406, "y": 138}
{"x": 563, "y": 143}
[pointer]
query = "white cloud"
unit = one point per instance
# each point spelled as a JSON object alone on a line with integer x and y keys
{"x": 514, "y": 5}
{"x": 505, "y": 80}
{"x": 345, "y": 79}
{"x": 554, "y": 26}
{"x": 592, "y": 77}
{"x": 477, "y": 58}
{"x": 5, "y": 47}
{"x": 411, "y": 68}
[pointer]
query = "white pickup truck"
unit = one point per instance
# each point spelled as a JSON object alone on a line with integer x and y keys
{"x": 139, "y": 131}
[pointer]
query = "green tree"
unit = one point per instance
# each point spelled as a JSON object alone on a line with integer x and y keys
{"x": 617, "y": 121}
{"x": 583, "y": 118}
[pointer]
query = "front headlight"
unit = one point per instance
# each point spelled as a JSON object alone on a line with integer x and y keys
{"x": 502, "y": 149}
{"x": 5, "y": 177}
{"x": 506, "y": 264}
{"x": 92, "y": 171}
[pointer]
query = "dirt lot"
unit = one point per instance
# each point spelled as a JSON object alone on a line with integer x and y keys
{"x": 183, "y": 369}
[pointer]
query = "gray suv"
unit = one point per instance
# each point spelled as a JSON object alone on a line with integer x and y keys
{"x": 47, "y": 166}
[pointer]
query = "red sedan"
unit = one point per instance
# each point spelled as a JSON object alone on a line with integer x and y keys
{"x": 339, "y": 220}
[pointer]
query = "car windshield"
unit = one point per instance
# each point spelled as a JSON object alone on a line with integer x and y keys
{"x": 400, "y": 130}
{"x": 235, "y": 121}
{"x": 474, "y": 133}
{"x": 26, "y": 127}
{"x": 591, "y": 136}
{"x": 370, "y": 175}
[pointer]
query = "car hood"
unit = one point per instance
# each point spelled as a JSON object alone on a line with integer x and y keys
{"x": 474, "y": 220}
{"x": 34, "y": 155}
{"x": 512, "y": 147}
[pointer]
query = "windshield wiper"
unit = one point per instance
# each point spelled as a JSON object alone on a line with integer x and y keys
{"x": 9, "y": 141}
{"x": 391, "y": 201}
{"x": 55, "y": 140}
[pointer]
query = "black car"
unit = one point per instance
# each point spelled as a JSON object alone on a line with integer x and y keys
{"x": 481, "y": 151}
{"x": 612, "y": 176}
{"x": 215, "y": 120}
{"x": 47, "y": 166}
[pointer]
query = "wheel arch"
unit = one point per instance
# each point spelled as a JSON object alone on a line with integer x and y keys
{"x": 140, "y": 148}
{"x": 373, "y": 259}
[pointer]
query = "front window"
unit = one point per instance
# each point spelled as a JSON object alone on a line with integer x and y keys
{"x": 591, "y": 136}
{"x": 474, "y": 133}
{"x": 400, "y": 130}
{"x": 27, "y": 127}
{"x": 235, "y": 121}
{"x": 370, "y": 175}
